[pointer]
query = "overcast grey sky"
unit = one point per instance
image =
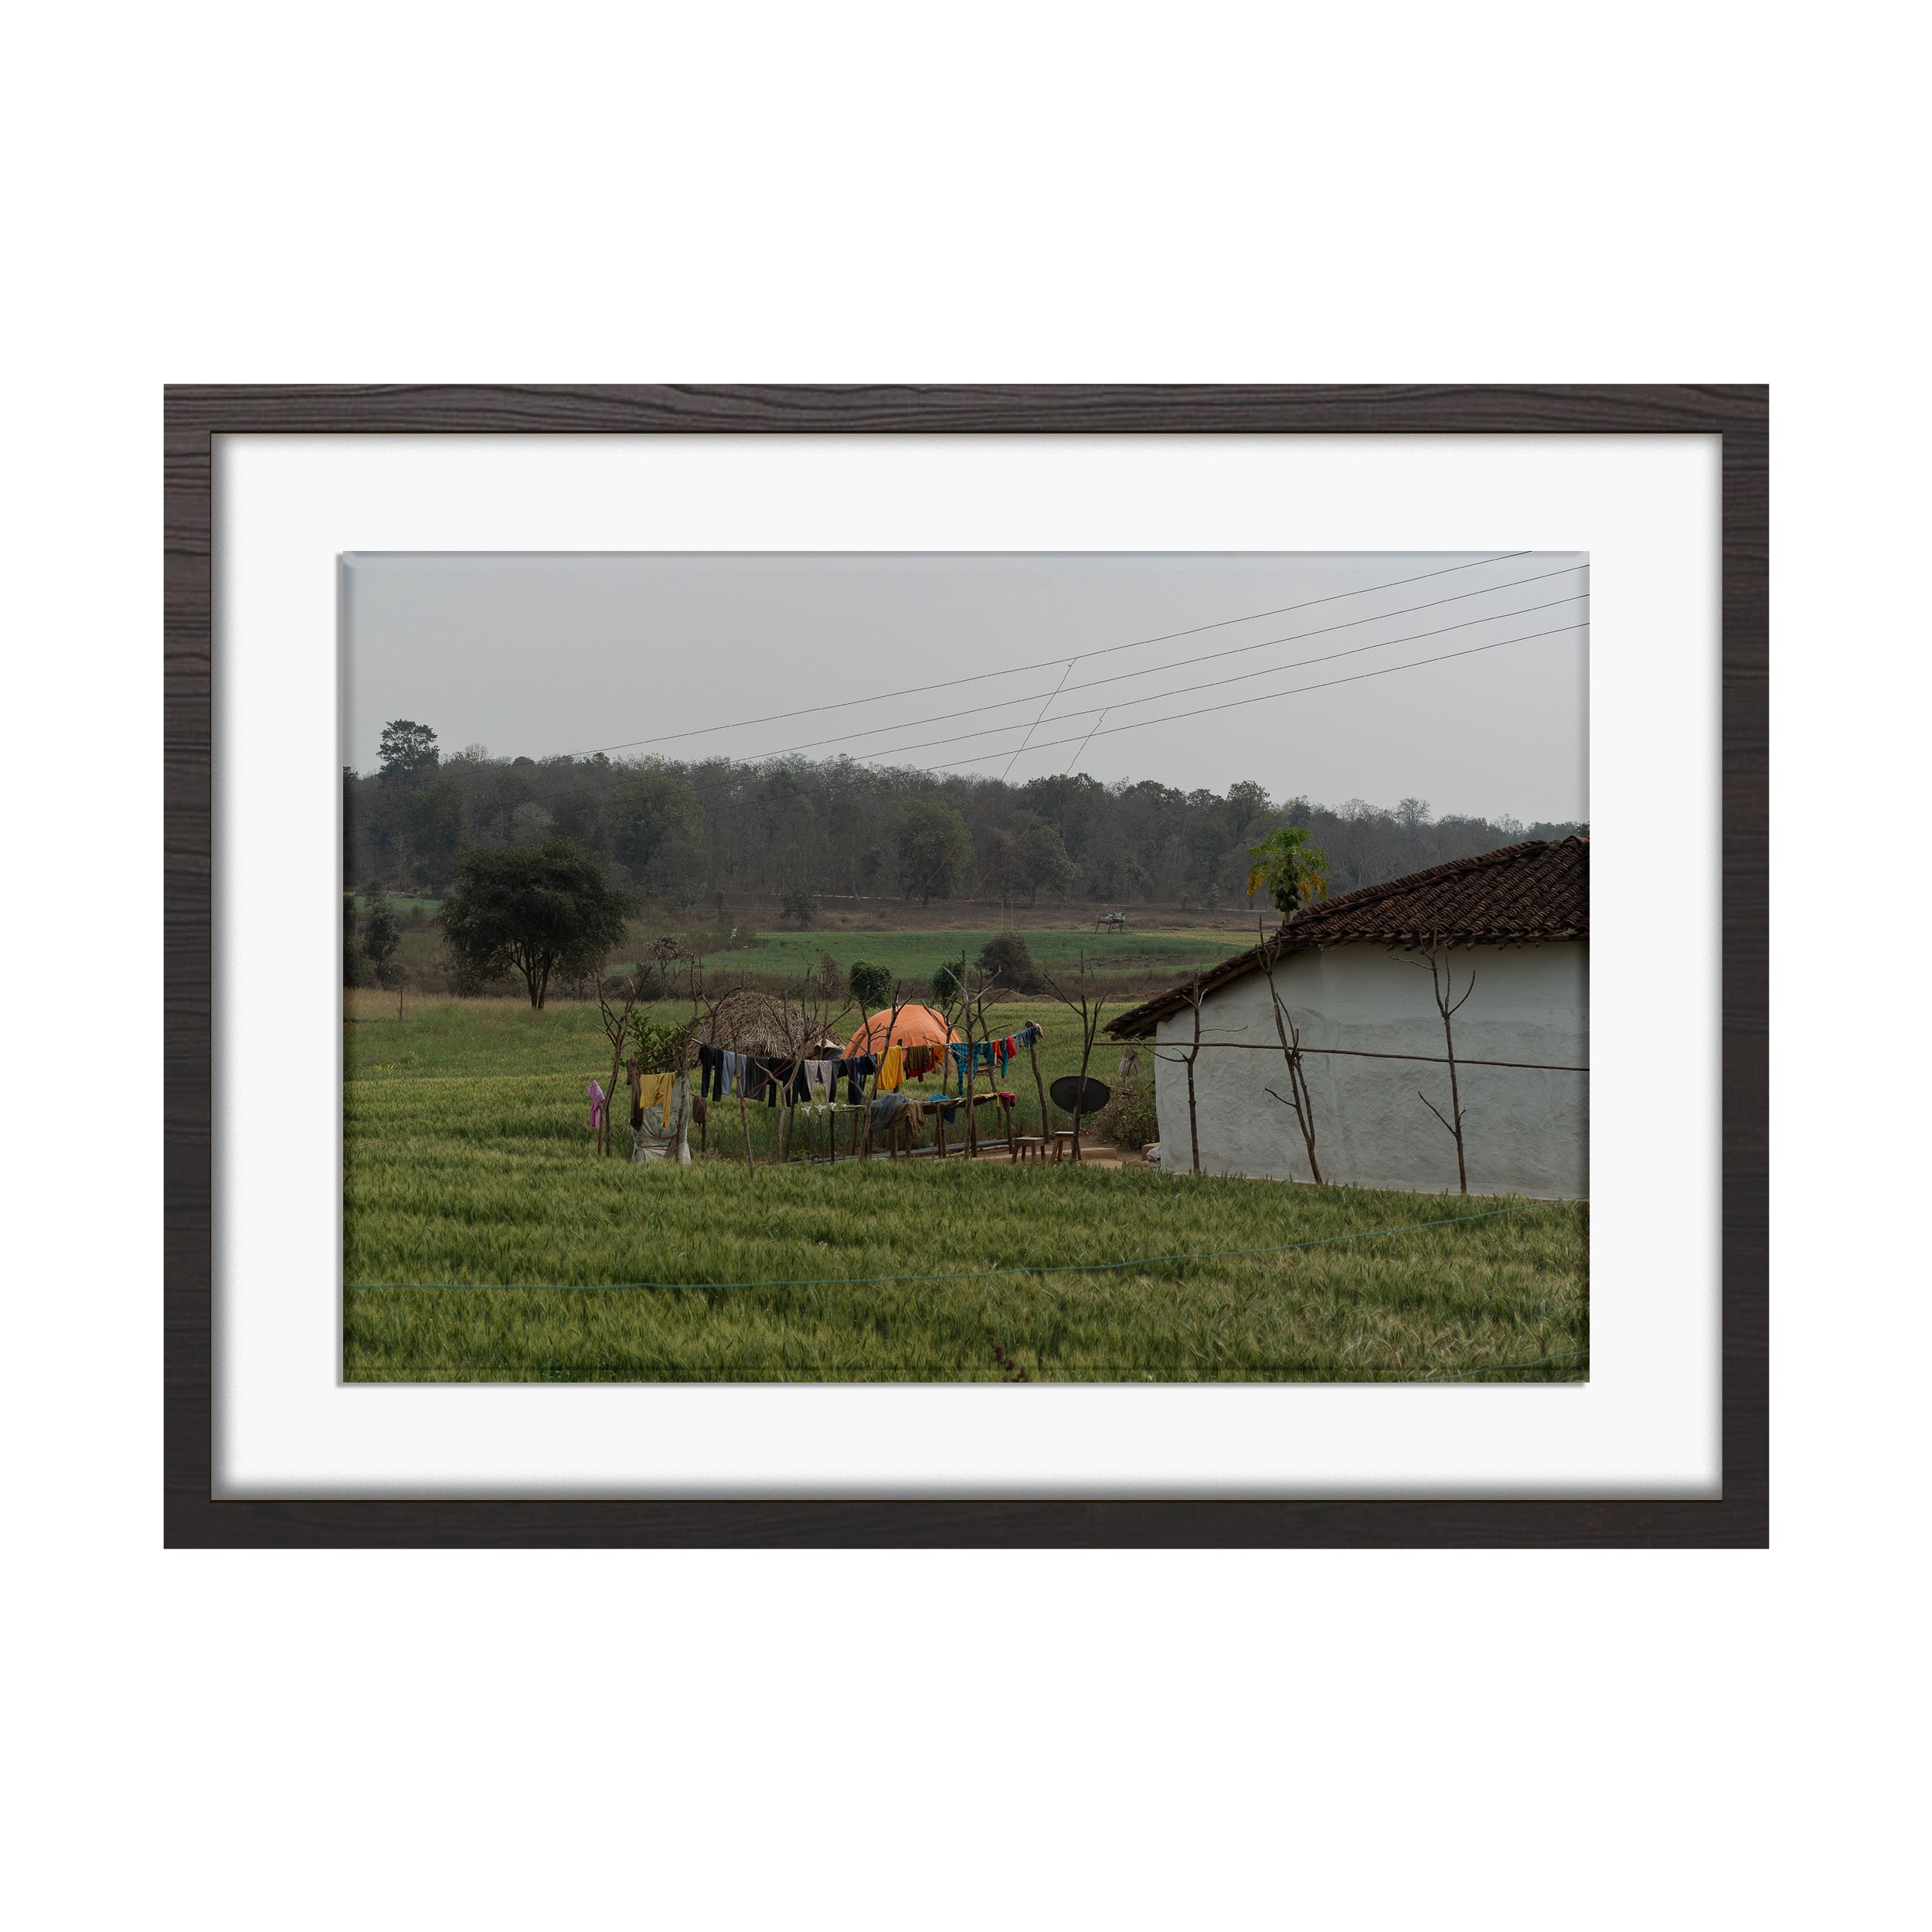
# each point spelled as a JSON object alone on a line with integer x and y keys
{"x": 679, "y": 653}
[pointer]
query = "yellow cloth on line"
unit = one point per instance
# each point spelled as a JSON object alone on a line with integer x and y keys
{"x": 892, "y": 1070}
{"x": 654, "y": 1090}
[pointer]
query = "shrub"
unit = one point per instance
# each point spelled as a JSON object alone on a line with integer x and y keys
{"x": 1129, "y": 1120}
{"x": 871, "y": 986}
{"x": 380, "y": 939}
{"x": 948, "y": 982}
{"x": 657, "y": 1047}
{"x": 798, "y": 905}
{"x": 1006, "y": 956}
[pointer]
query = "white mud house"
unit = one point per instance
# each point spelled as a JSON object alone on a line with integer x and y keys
{"x": 1503, "y": 940}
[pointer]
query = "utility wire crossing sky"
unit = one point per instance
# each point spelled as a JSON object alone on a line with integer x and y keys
{"x": 543, "y": 655}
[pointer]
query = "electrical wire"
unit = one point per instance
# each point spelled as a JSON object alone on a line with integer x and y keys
{"x": 1155, "y": 670}
{"x": 702, "y": 791}
{"x": 1234, "y": 703}
{"x": 977, "y": 677}
{"x": 1243, "y": 677}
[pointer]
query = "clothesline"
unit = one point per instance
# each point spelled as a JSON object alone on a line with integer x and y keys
{"x": 777, "y": 1078}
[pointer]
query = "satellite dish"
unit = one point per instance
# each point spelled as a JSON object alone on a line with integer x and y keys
{"x": 1071, "y": 1096}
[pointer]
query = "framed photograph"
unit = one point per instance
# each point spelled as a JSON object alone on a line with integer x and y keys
{"x": 966, "y": 966}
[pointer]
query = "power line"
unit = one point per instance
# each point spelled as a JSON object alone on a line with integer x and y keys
{"x": 1266, "y": 696}
{"x": 1165, "y": 637}
{"x": 703, "y": 791}
{"x": 1142, "y": 724}
{"x": 1215, "y": 684}
{"x": 1155, "y": 670}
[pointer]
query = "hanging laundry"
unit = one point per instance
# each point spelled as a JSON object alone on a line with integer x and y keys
{"x": 710, "y": 1072}
{"x": 857, "y": 1070}
{"x": 654, "y": 1089}
{"x": 822, "y": 1078}
{"x": 892, "y": 1070}
{"x": 598, "y": 1103}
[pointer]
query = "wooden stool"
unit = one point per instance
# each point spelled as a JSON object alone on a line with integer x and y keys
{"x": 1063, "y": 1140}
{"x": 1028, "y": 1147}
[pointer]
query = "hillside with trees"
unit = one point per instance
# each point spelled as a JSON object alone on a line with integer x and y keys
{"x": 679, "y": 835}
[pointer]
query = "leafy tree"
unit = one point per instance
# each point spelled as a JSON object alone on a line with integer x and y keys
{"x": 355, "y": 960}
{"x": 532, "y": 824}
{"x": 935, "y": 846}
{"x": 871, "y": 986}
{"x": 381, "y": 937}
{"x": 647, "y": 809}
{"x": 1293, "y": 872}
{"x": 1007, "y": 958}
{"x": 409, "y": 751}
{"x": 546, "y": 911}
{"x": 1040, "y": 858}
{"x": 798, "y": 905}
{"x": 436, "y": 823}
{"x": 659, "y": 1047}
{"x": 949, "y": 982}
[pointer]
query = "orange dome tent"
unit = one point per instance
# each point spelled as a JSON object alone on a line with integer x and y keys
{"x": 917, "y": 1026}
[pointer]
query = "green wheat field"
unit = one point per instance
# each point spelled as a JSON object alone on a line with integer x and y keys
{"x": 483, "y": 1241}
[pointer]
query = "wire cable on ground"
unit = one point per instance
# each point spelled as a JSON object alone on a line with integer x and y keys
{"x": 1505, "y": 1368}
{"x": 969, "y": 1274}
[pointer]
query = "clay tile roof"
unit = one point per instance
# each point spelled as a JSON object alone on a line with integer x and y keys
{"x": 1524, "y": 895}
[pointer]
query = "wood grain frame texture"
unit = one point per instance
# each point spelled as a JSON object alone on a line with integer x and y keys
{"x": 193, "y": 415}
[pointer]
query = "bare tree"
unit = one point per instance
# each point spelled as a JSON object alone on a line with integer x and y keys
{"x": 973, "y": 996}
{"x": 1289, "y": 1033}
{"x": 1087, "y": 1004}
{"x": 616, "y": 1021}
{"x": 861, "y": 1136}
{"x": 1442, "y": 983}
{"x": 1191, "y": 995}
{"x": 1039, "y": 1083}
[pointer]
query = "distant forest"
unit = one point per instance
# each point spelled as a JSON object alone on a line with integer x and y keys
{"x": 680, "y": 835}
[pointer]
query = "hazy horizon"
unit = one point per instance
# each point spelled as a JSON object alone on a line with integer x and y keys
{"x": 680, "y": 654}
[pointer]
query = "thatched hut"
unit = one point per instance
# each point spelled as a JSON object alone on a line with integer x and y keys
{"x": 751, "y": 1022}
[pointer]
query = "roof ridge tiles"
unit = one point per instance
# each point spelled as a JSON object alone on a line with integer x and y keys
{"x": 1505, "y": 916}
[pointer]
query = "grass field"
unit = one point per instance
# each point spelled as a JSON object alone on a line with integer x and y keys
{"x": 483, "y": 1241}
{"x": 1142, "y": 960}
{"x": 913, "y": 956}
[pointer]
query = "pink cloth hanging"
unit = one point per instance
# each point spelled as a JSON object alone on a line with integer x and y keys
{"x": 597, "y": 1104}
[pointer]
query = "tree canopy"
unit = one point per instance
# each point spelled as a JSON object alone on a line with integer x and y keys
{"x": 408, "y": 750}
{"x": 935, "y": 848}
{"x": 1295, "y": 873}
{"x": 544, "y": 911}
{"x": 681, "y": 833}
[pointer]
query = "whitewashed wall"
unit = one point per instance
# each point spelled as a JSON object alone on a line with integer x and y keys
{"x": 1524, "y": 1132}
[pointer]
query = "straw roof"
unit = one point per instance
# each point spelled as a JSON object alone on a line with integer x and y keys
{"x": 751, "y": 1023}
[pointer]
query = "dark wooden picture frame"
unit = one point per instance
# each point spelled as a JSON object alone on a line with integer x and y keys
{"x": 194, "y": 415}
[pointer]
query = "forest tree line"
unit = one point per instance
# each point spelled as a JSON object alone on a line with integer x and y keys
{"x": 679, "y": 835}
